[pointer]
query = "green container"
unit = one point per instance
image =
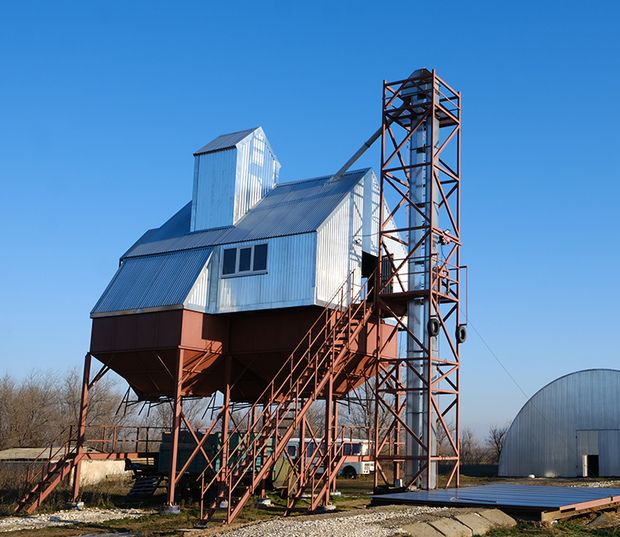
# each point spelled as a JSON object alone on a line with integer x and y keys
{"x": 187, "y": 445}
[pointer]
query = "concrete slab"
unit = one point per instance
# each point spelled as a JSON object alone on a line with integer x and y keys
{"x": 421, "y": 529}
{"x": 451, "y": 528}
{"x": 475, "y": 522}
{"x": 498, "y": 518}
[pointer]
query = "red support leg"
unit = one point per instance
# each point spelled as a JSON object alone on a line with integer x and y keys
{"x": 176, "y": 426}
{"x": 329, "y": 434}
{"x": 82, "y": 429}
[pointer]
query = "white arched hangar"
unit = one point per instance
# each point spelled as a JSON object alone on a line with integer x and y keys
{"x": 570, "y": 428}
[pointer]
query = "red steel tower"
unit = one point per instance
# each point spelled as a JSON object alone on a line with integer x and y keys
{"x": 420, "y": 180}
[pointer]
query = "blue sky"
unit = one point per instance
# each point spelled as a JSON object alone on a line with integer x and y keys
{"x": 103, "y": 104}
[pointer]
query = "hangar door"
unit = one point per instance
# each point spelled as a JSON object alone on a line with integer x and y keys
{"x": 598, "y": 452}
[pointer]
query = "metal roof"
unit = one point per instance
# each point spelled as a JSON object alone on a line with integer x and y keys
{"x": 225, "y": 141}
{"x": 288, "y": 209}
{"x": 153, "y": 281}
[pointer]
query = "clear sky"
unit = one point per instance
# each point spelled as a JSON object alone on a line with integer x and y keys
{"x": 104, "y": 102}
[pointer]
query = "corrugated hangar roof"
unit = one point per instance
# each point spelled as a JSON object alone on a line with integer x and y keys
{"x": 289, "y": 209}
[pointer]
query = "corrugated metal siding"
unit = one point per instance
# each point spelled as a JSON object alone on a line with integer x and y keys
{"x": 257, "y": 173}
{"x": 232, "y": 179}
{"x": 290, "y": 208}
{"x": 339, "y": 247}
{"x": 546, "y": 437}
{"x": 213, "y": 199}
{"x": 198, "y": 296}
{"x": 609, "y": 452}
{"x": 370, "y": 239}
{"x": 289, "y": 281}
{"x": 152, "y": 282}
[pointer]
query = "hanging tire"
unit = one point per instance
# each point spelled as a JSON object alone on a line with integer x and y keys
{"x": 433, "y": 326}
{"x": 461, "y": 333}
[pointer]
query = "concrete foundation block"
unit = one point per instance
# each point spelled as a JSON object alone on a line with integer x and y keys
{"x": 451, "y": 527}
{"x": 421, "y": 529}
{"x": 498, "y": 518}
{"x": 475, "y": 522}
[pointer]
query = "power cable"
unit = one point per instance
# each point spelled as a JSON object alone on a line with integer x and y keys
{"x": 528, "y": 398}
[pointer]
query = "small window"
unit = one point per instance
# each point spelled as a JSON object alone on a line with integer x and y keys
{"x": 245, "y": 261}
{"x": 245, "y": 258}
{"x": 260, "y": 257}
{"x": 230, "y": 261}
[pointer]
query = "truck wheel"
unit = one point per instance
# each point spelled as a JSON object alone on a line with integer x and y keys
{"x": 349, "y": 473}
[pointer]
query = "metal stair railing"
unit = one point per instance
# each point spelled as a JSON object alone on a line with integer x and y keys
{"x": 50, "y": 472}
{"x": 292, "y": 391}
{"x": 56, "y": 461}
{"x": 320, "y": 471}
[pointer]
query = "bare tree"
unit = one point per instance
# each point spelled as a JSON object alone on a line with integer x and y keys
{"x": 444, "y": 447}
{"x": 315, "y": 416}
{"x": 31, "y": 410}
{"x": 7, "y": 408}
{"x": 161, "y": 413}
{"x": 363, "y": 407}
{"x": 36, "y": 410}
{"x": 103, "y": 401}
{"x": 495, "y": 440}
{"x": 471, "y": 451}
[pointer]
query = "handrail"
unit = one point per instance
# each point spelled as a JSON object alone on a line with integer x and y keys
{"x": 290, "y": 362}
{"x": 52, "y": 454}
{"x": 45, "y": 459}
{"x": 337, "y": 318}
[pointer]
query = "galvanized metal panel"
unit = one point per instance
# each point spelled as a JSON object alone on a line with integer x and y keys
{"x": 290, "y": 208}
{"x": 198, "y": 296}
{"x": 370, "y": 232}
{"x": 288, "y": 282}
{"x": 505, "y": 496}
{"x": 300, "y": 271}
{"x": 152, "y": 282}
{"x": 543, "y": 438}
{"x": 231, "y": 179}
{"x": 213, "y": 198}
{"x": 609, "y": 452}
{"x": 339, "y": 247}
{"x": 257, "y": 173}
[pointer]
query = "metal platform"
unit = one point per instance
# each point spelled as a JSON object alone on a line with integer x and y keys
{"x": 551, "y": 503}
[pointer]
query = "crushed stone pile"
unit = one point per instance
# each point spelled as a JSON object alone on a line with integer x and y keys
{"x": 376, "y": 524}
{"x": 67, "y": 518}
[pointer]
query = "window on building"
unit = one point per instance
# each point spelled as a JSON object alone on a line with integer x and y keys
{"x": 260, "y": 257}
{"x": 230, "y": 261}
{"x": 245, "y": 260}
{"x": 245, "y": 257}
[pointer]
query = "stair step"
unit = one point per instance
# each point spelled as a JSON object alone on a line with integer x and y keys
{"x": 145, "y": 485}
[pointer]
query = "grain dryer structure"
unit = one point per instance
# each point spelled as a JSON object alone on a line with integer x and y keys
{"x": 275, "y": 295}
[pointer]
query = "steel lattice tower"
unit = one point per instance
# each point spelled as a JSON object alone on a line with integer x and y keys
{"x": 420, "y": 183}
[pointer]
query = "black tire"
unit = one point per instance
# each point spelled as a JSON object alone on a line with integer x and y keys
{"x": 461, "y": 333}
{"x": 349, "y": 473}
{"x": 433, "y": 326}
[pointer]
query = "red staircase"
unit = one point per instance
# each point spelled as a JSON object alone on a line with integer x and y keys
{"x": 270, "y": 423}
{"x": 50, "y": 468}
{"x": 56, "y": 462}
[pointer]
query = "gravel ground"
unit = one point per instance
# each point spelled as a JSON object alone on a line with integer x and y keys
{"x": 66, "y": 518}
{"x": 375, "y": 522}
